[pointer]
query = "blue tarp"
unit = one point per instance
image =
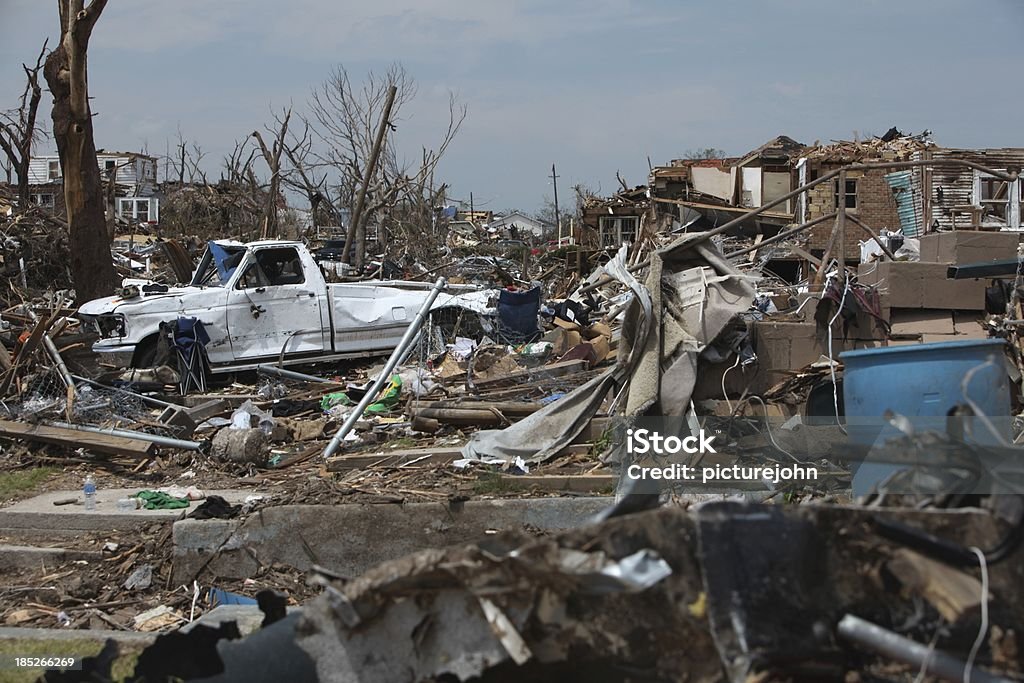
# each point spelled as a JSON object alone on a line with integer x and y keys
{"x": 220, "y": 257}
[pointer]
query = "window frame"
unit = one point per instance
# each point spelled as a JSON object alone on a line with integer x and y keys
{"x": 37, "y": 199}
{"x": 1012, "y": 210}
{"x": 846, "y": 195}
{"x": 613, "y": 237}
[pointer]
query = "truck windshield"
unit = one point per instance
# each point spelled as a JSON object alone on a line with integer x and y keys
{"x": 217, "y": 265}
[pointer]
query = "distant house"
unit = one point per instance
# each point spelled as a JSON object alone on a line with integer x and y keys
{"x": 134, "y": 174}
{"x": 518, "y": 225}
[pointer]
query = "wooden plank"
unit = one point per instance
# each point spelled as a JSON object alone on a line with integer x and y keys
{"x": 805, "y": 254}
{"x": 73, "y": 438}
{"x": 952, "y": 592}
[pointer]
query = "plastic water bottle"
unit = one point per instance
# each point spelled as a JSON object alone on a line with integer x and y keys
{"x": 89, "y": 490}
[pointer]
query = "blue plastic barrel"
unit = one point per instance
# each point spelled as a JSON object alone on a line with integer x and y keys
{"x": 922, "y": 382}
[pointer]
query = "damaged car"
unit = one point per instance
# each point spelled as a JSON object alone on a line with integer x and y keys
{"x": 268, "y": 301}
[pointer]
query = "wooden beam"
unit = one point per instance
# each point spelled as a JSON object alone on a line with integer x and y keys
{"x": 952, "y": 592}
{"x": 73, "y": 439}
{"x": 807, "y": 255}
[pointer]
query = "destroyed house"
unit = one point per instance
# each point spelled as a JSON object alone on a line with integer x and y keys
{"x": 134, "y": 175}
{"x": 703, "y": 193}
{"x": 914, "y": 201}
{"x": 518, "y": 226}
{"x": 961, "y": 198}
{"x": 608, "y": 223}
{"x": 877, "y": 197}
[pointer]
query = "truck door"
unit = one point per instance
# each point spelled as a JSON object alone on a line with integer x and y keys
{"x": 273, "y": 303}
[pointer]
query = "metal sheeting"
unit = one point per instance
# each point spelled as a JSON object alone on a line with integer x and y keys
{"x": 907, "y": 204}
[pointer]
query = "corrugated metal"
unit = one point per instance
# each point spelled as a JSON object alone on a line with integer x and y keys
{"x": 906, "y": 202}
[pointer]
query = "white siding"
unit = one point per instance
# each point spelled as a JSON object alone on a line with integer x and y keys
{"x": 713, "y": 181}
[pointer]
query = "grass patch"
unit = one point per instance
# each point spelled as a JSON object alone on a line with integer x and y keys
{"x": 23, "y": 481}
{"x": 491, "y": 483}
{"x": 123, "y": 667}
{"x": 602, "y": 443}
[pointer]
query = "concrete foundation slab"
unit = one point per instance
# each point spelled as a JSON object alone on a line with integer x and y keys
{"x": 349, "y": 539}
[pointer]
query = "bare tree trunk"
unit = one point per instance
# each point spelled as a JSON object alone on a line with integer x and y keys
{"x": 272, "y": 156}
{"x": 66, "y": 72}
{"x": 18, "y": 129}
{"x": 358, "y": 229}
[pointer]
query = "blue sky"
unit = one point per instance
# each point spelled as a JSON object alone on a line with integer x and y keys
{"x": 594, "y": 86}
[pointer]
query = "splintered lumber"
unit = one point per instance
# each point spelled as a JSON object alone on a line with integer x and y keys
{"x": 463, "y": 416}
{"x": 421, "y": 456}
{"x": 560, "y": 369}
{"x": 415, "y": 456}
{"x": 951, "y": 592}
{"x": 73, "y": 439}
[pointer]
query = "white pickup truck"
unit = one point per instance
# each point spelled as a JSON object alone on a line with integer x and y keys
{"x": 268, "y": 302}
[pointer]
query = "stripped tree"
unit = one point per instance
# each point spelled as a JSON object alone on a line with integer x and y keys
{"x": 272, "y": 157}
{"x": 66, "y": 71}
{"x": 18, "y": 130}
{"x": 346, "y": 118}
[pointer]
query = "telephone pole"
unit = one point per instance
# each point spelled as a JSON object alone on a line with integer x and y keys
{"x": 558, "y": 216}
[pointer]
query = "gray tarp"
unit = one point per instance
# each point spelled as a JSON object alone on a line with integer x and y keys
{"x": 692, "y": 292}
{"x": 696, "y": 291}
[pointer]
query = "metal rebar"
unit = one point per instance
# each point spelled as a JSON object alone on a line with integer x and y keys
{"x": 127, "y": 434}
{"x": 291, "y": 374}
{"x": 892, "y": 645}
{"x": 385, "y": 374}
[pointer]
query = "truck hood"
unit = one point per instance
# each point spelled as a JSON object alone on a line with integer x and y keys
{"x": 173, "y": 299}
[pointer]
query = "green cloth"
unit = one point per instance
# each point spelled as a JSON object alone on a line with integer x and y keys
{"x": 338, "y": 398}
{"x": 390, "y": 398}
{"x": 157, "y": 500}
{"x": 384, "y": 405}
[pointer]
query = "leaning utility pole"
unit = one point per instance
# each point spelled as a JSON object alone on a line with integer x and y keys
{"x": 558, "y": 216}
{"x": 371, "y": 166}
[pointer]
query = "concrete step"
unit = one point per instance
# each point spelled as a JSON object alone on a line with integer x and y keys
{"x": 40, "y": 514}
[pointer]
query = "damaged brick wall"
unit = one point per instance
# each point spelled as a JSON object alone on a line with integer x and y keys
{"x": 875, "y": 206}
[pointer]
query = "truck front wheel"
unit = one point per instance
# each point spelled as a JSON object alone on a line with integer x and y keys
{"x": 145, "y": 353}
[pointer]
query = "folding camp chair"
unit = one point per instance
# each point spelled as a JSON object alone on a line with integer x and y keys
{"x": 190, "y": 339}
{"x": 517, "y": 315}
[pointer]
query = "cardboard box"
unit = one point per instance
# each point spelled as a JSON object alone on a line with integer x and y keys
{"x": 916, "y": 284}
{"x": 916, "y": 322}
{"x": 785, "y": 347}
{"x": 967, "y": 325}
{"x": 964, "y": 247}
